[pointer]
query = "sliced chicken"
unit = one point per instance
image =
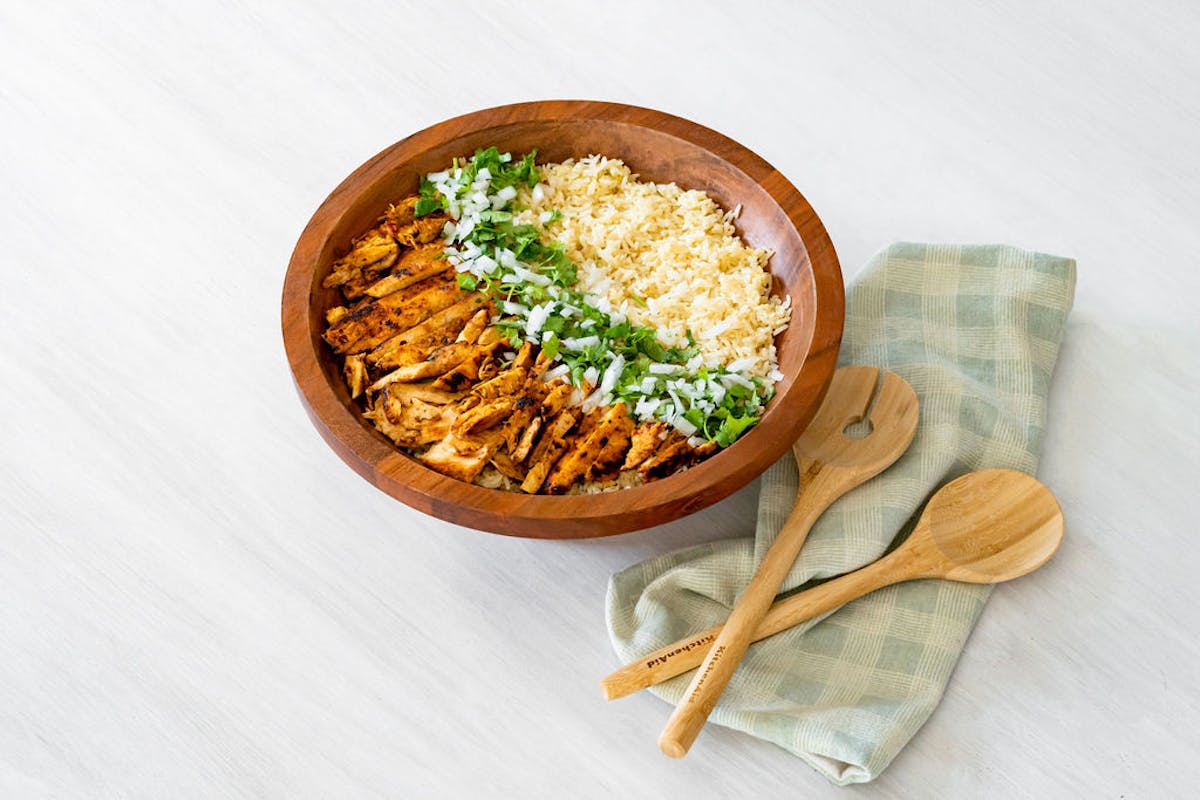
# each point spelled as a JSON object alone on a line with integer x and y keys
{"x": 672, "y": 454}
{"x": 400, "y": 215}
{"x": 416, "y": 343}
{"x": 554, "y": 442}
{"x": 646, "y": 439}
{"x": 440, "y": 361}
{"x": 609, "y": 437}
{"x": 372, "y": 324}
{"x": 421, "y": 231}
{"x": 371, "y": 254}
{"x": 413, "y": 266}
{"x": 452, "y": 458}
{"x": 355, "y": 370}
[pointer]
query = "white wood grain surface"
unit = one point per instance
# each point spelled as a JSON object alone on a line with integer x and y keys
{"x": 197, "y": 599}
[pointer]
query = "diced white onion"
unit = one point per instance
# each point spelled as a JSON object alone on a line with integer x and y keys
{"x": 663, "y": 369}
{"x": 609, "y": 381}
{"x": 679, "y": 409}
{"x": 591, "y": 376}
{"x": 516, "y": 309}
{"x": 646, "y": 406}
{"x": 529, "y": 277}
{"x": 580, "y": 343}
{"x": 648, "y": 385}
{"x": 683, "y": 425}
{"x": 740, "y": 364}
{"x": 561, "y": 371}
{"x": 537, "y": 318}
{"x": 717, "y": 390}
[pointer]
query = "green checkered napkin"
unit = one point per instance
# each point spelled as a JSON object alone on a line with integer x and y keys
{"x": 976, "y": 331}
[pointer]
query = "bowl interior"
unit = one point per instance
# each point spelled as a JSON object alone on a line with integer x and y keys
{"x": 773, "y": 215}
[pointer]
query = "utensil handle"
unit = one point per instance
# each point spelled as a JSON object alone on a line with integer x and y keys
{"x": 722, "y": 658}
{"x": 686, "y": 654}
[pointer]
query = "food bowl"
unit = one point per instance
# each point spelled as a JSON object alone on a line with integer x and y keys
{"x": 658, "y": 147}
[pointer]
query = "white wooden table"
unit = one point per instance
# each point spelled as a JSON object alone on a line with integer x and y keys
{"x": 197, "y": 599}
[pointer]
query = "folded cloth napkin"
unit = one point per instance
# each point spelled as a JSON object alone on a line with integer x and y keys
{"x": 976, "y": 331}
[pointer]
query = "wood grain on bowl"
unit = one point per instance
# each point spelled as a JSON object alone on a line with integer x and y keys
{"x": 657, "y": 146}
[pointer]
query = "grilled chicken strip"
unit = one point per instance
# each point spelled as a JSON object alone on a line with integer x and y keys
{"x": 416, "y": 343}
{"x": 674, "y": 453}
{"x": 423, "y": 391}
{"x": 646, "y": 439}
{"x": 507, "y": 467}
{"x": 413, "y": 266}
{"x": 521, "y": 449}
{"x": 466, "y": 374}
{"x": 455, "y": 459}
{"x": 415, "y": 422}
{"x": 483, "y": 416}
{"x": 613, "y": 444}
{"x": 370, "y": 325}
{"x": 399, "y": 216}
{"x": 614, "y": 428}
{"x": 373, "y": 253}
{"x": 422, "y": 231}
{"x": 356, "y": 374}
{"x": 440, "y": 361}
{"x": 538, "y": 400}
{"x": 554, "y": 442}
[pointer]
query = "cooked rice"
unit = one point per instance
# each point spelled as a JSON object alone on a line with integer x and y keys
{"x": 675, "y": 249}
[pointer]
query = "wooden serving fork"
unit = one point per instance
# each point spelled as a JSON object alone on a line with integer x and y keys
{"x": 830, "y": 463}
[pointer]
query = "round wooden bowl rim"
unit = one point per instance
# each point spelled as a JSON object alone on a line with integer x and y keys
{"x": 569, "y": 516}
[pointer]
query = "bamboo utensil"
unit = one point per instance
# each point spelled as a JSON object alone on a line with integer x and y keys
{"x": 985, "y": 527}
{"x": 830, "y": 463}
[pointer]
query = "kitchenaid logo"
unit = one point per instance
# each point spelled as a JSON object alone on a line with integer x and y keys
{"x": 713, "y": 658}
{"x": 654, "y": 662}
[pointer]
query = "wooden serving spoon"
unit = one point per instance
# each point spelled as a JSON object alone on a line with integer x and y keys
{"x": 830, "y": 463}
{"x": 985, "y": 527}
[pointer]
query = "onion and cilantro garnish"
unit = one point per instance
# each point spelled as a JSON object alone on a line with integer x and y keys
{"x": 593, "y": 345}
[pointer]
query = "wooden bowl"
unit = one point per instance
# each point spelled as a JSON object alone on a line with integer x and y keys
{"x": 656, "y": 146}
